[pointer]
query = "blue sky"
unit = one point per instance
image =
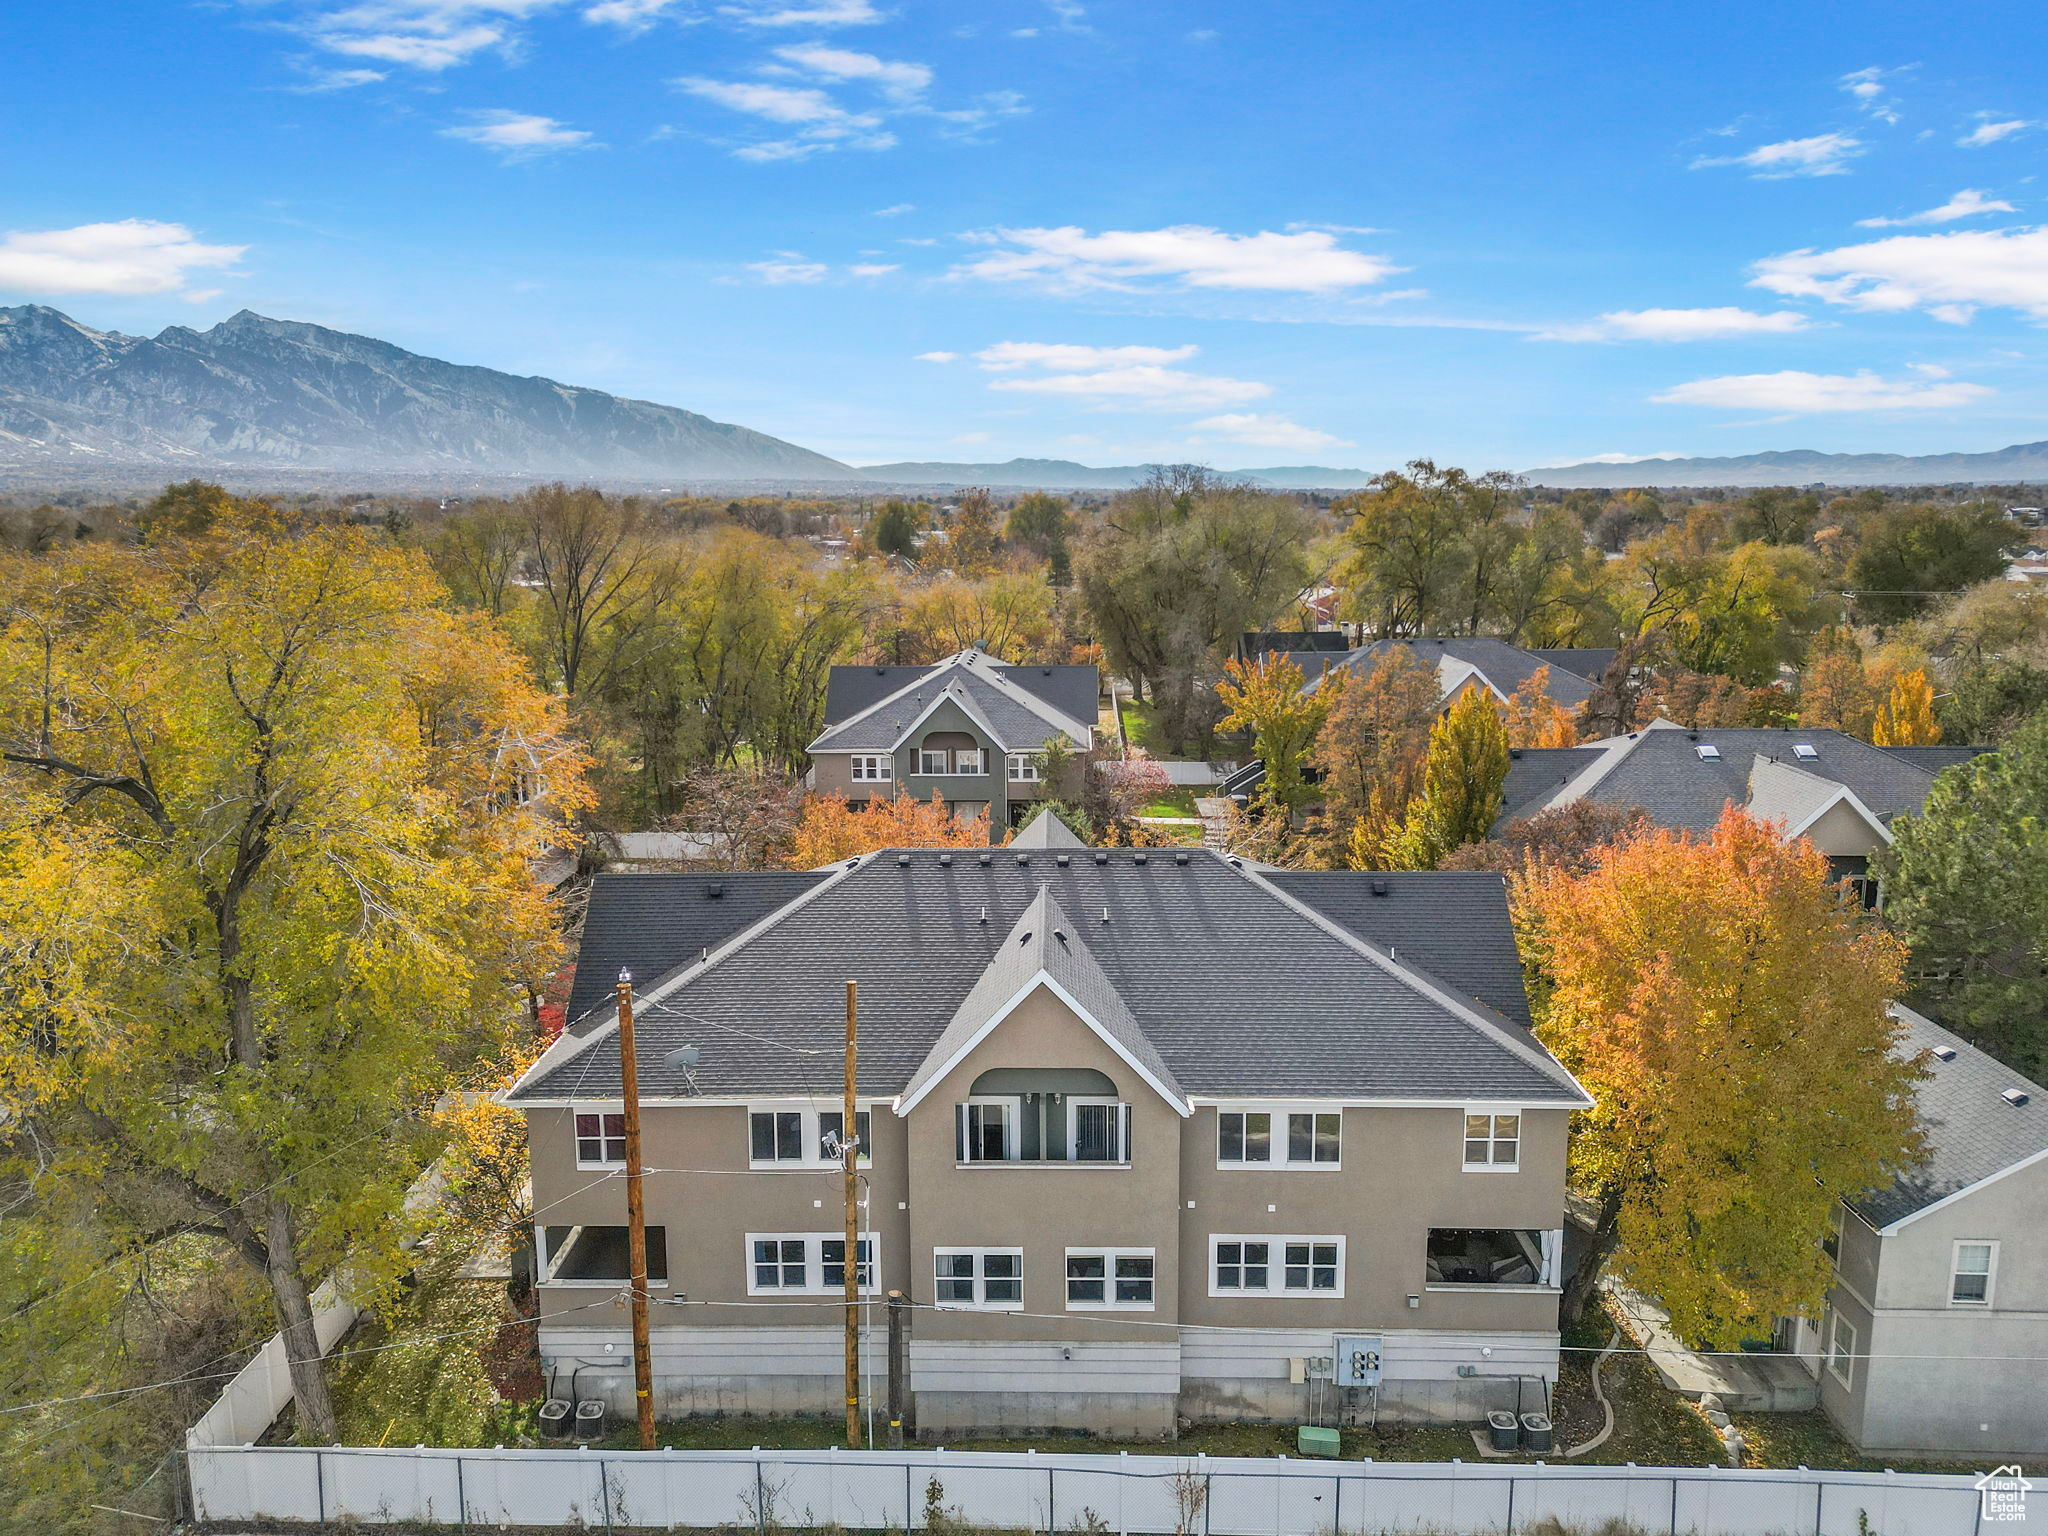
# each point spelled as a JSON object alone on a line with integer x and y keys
{"x": 1250, "y": 234}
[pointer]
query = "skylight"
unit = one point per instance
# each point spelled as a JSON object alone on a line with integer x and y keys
{"x": 1709, "y": 753}
{"x": 1805, "y": 749}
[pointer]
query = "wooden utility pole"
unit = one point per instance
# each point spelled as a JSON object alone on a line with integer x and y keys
{"x": 636, "y": 1217}
{"x": 849, "y": 1152}
{"x": 899, "y": 1317}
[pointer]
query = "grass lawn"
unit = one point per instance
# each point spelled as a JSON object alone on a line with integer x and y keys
{"x": 1175, "y": 802}
{"x": 1141, "y": 726}
{"x": 416, "y": 1374}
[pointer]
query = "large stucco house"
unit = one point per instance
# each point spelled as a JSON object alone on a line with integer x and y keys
{"x": 1935, "y": 1332}
{"x": 971, "y": 728}
{"x": 1147, "y": 1133}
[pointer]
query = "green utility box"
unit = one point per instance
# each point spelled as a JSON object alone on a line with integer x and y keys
{"x": 1312, "y": 1440}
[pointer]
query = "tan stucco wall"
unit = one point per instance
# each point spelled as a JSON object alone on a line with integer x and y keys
{"x": 1044, "y": 1210}
{"x": 1842, "y": 833}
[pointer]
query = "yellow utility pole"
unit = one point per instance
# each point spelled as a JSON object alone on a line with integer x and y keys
{"x": 636, "y": 1217}
{"x": 849, "y": 1152}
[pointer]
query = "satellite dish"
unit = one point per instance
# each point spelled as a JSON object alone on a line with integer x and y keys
{"x": 683, "y": 1058}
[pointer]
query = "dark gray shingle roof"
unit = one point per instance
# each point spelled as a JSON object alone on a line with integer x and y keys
{"x": 1452, "y": 923}
{"x": 1073, "y": 691}
{"x": 1019, "y": 718}
{"x": 1971, "y": 1130}
{"x": 1537, "y": 773}
{"x": 651, "y": 923}
{"x": 1660, "y": 769}
{"x": 1237, "y": 990}
{"x": 1506, "y": 666}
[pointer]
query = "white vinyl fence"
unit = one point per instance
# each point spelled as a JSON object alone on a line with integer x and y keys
{"x": 1212, "y": 1496}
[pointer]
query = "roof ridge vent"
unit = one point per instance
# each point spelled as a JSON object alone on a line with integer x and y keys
{"x": 945, "y": 861}
{"x": 1101, "y": 857}
{"x": 1063, "y": 859}
{"x": 902, "y": 861}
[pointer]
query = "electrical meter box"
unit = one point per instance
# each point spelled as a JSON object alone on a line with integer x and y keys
{"x": 1357, "y": 1361}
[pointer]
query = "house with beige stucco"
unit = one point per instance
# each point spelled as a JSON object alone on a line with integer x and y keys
{"x": 972, "y": 729}
{"x": 1146, "y": 1136}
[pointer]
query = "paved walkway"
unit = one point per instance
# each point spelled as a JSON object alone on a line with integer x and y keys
{"x": 1215, "y": 817}
{"x": 1744, "y": 1382}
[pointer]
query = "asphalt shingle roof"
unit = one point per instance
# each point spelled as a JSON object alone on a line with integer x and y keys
{"x": 1451, "y": 923}
{"x": 1660, "y": 770}
{"x": 1021, "y": 720}
{"x": 1506, "y": 666}
{"x": 1073, "y": 691}
{"x": 1972, "y": 1131}
{"x": 1237, "y": 990}
{"x": 651, "y": 923}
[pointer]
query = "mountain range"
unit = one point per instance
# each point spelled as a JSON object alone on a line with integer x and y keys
{"x": 259, "y": 398}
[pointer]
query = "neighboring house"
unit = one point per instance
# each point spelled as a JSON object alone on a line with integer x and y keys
{"x": 1148, "y": 1133}
{"x": 1839, "y": 792}
{"x": 1460, "y": 663}
{"x": 1935, "y": 1333}
{"x": 972, "y": 728}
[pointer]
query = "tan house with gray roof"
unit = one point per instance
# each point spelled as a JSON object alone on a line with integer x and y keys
{"x": 1149, "y": 1135}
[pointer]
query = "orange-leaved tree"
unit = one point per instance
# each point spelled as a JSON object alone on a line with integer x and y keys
{"x": 1535, "y": 719}
{"x": 830, "y": 828}
{"x": 1725, "y": 1008}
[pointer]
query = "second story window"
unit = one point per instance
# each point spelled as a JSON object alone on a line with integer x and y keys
{"x": 873, "y": 768}
{"x": 1493, "y": 1143}
{"x": 978, "y": 1277}
{"x": 932, "y": 760}
{"x": 1969, "y": 1281}
{"x": 1291, "y": 1138}
{"x": 1276, "y": 1266}
{"x": 987, "y": 1131}
{"x": 600, "y": 1139}
{"x": 972, "y": 760}
{"x": 1110, "y": 1278}
{"x": 801, "y": 1136}
{"x": 1024, "y": 768}
{"x": 804, "y": 1263}
{"x": 1049, "y": 1121}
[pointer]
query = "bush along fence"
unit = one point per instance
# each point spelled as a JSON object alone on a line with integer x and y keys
{"x": 769, "y": 1491}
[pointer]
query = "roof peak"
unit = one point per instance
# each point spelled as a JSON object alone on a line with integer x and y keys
{"x": 1046, "y": 830}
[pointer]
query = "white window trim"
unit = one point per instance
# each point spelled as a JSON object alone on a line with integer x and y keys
{"x": 1025, "y": 768}
{"x": 881, "y": 765}
{"x": 980, "y": 1302}
{"x": 1013, "y": 1117}
{"x": 608, "y": 1107}
{"x": 980, "y": 768}
{"x": 1109, "y": 1256}
{"x": 1837, "y": 1326}
{"x": 1121, "y": 1130}
{"x": 1276, "y": 1268}
{"x": 1955, "y": 1254}
{"x": 814, "y": 1263}
{"x": 542, "y": 1259}
{"x": 807, "y": 1112}
{"x": 1492, "y": 1113}
{"x": 1278, "y": 1139}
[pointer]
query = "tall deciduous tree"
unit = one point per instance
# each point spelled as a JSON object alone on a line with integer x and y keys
{"x": 1371, "y": 747}
{"x": 1906, "y": 717}
{"x": 1462, "y": 780}
{"x": 1266, "y": 698}
{"x": 1909, "y": 557}
{"x": 266, "y": 816}
{"x": 1966, "y": 883}
{"x": 1726, "y": 1011}
{"x": 829, "y": 828}
{"x": 1834, "y": 689}
{"x": 1535, "y": 719}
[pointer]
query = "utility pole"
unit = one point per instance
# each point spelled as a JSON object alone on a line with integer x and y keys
{"x": 899, "y": 1316}
{"x": 636, "y": 1217}
{"x": 849, "y": 1152}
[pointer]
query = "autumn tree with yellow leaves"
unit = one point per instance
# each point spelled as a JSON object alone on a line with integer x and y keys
{"x": 1267, "y": 699}
{"x": 267, "y": 814}
{"x": 1725, "y": 1008}
{"x": 1906, "y": 717}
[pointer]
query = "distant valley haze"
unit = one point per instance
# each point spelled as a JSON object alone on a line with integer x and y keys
{"x": 254, "y": 396}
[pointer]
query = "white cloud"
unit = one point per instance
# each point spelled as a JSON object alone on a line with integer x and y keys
{"x": 1966, "y": 204}
{"x": 900, "y": 80}
{"x": 320, "y": 81}
{"x": 1186, "y": 255}
{"x": 1797, "y": 393}
{"x": 1991, "y": 128}
{"x": 873, "y": 268}
{"x": 788, "y": 268}
{"x": 1948, "y": 275}
{"x": 820, "y": 13}
{"x": 1113, "y": 378}
{"x": 1821, "y": 155}
{"x": 895, "y": 210}
{"x": 1867, "y": 88}
{"x": 128, "y": 256}
{"x": 777, "y": 103}
{"x": 519, "y": 135}
{"x": 1267, "y": 431}
{"x": 1064, "y": 358}
{"x": 1678, "y": 325}
{"x": 633, "y": 15}
{"x": 938, "y": 357}
{"x": 431, "y": 51}
{"x": 1615, "y": 458}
